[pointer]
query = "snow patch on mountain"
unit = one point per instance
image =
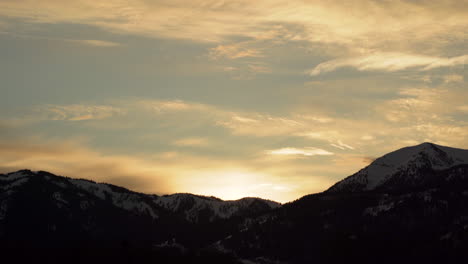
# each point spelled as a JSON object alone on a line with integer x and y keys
{"x": 191, "y": 205}
{"x": 408, "y": 161}
{"x": 126, "y": 200}
{"x": 59, "y": 198}
{"x": 376, "y": 210}
{"x": 11, "y": 181}
{"x": 99, "y": 190}
{"x": 15, "y": 183}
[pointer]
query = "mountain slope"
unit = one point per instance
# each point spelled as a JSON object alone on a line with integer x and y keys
{"x": 410, "y": 206}
{"x": 403, "y": 168}
{"x": 189, "y": 205}
{"x": 40, "y": 206}
{"x": 197, "y": 208}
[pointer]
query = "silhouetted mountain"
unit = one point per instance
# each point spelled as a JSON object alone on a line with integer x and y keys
{"x": 410, "y": 205}
{"x": 41, "y": 210}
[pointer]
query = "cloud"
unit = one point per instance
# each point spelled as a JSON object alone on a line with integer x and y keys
{"x": 233, "y": 51}
{"x": 453, "y": 78}
{"x": 411, "y": 107}
{"x": 418, "y": 105}
{"x": 257, "y": 68}
{"x": 389, "y": 62}
{"x": 238, "y": 122}
{"x": 71, "y": 158}
{"x": 463, "y": 108}
{"x": 94, "y": 42}
{"x": 341, "y": 145}
{"x": 259, "y": 124}
{"x": 165, "y": 106}
{"x": 299, "y": 151}
{"x": 362, "y": 25}
{"x": 86, "y": 42}
{"x": 76, "y": 112}
{"x": 191, "y": 142}
{"x": 246, "y": 70}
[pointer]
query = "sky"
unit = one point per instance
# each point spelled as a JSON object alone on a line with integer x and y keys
{"x": 267, "y": 98}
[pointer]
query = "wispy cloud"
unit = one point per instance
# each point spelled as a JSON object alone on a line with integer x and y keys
{"x": 191, "y": 142}
{"x": 411, "y": 107}
{"x": 300, "y": 151}
{"x": 341, "y": 145}
{"x": 260, "y": 125}
{"x": 463, "y": 108}
{"x": 94, "y": 42}
{"x": 76, "y": 112}
{"x": 247, "y": 70}
{"x": 332, "y": 22}
{"x": 389, "y": 62}
{"x": 164, "y": 106}
{"x": 233, "y": 51}
{"x": 415, "y": 105}
{"x": 453, "y": 78}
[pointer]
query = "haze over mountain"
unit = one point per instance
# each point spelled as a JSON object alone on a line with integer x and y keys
{"x": 408, "y": 205}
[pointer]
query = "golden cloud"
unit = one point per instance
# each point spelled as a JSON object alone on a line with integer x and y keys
{"x": 300, "y": 151}
{"x": 76, "y": 112}
{"x": 71, "y": 158}
{"x": 389, "y": 62}
{"x": 233, "y": 51}
{"x": 94, "y": 42}
{"x": 361, "y": 25}
{"x": 192, "y": 141}
{"x": 413, "y": 106}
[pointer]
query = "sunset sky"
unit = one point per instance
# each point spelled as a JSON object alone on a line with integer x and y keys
{"x": 268, "y": 98}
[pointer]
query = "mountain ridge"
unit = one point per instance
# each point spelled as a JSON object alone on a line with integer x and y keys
{"x": 29, "y": 172}
{"x": 413, "y": 161}
{"x": 142, "y": 202}
{"x": 418, "y": 212}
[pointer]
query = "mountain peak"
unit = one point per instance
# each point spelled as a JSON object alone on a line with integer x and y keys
{"x": 405, "y": 162}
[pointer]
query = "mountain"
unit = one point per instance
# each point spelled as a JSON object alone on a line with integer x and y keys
{"x": 65, "y": 191}
{"x": 195, "y": 208}
{"x": 409, "y": 206}
{"x": 404, "y": 168}
{"x": 39, "y": 211}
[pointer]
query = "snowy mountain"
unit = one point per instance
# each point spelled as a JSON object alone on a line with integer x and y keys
{"x": 44, "y": 214}
{"x": 64, "y": 191}
{"x": 404, "y": 168}
{"x": 192, "y": 206}
{"x": 409, "y": 206}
